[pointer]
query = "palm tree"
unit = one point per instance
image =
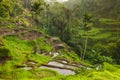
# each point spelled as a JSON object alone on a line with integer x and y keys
{"x": 68, "y": 16}
{"x": 87, "y": 19}
{"x": 37, "y": 8}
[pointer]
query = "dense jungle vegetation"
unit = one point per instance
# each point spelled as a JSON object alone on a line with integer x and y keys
{"x": 40, "y": 39}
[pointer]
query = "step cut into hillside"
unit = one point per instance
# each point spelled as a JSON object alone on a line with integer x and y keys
{"x": 47, "y": 45}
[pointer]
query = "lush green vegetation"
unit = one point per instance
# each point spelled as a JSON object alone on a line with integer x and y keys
{"x": 81, "y": 32}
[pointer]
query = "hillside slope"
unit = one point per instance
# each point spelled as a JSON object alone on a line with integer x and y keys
{"x": 20, "y": 48}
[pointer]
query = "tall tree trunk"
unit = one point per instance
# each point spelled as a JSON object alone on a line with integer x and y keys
{"x": 85, "y": 47}
{"x": 118, "y": 31}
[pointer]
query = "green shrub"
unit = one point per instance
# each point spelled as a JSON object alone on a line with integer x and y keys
{"x": 109, "y": 67}
{"x": 114, "y": 50}
{"x": 4, "y": 10}
{"x": 20, "y": 74}
{"x": 5, "y": 70}
{"x": 44, "y": 73}
{"x": 4, "y": 52}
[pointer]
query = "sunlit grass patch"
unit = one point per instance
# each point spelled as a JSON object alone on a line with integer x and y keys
{"x": 39, "y": 58}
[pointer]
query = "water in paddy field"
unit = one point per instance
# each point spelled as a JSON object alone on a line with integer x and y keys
{"x": 60, "y": 71}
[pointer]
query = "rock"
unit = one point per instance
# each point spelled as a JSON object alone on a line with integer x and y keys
{"x": 55, "y": 54}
